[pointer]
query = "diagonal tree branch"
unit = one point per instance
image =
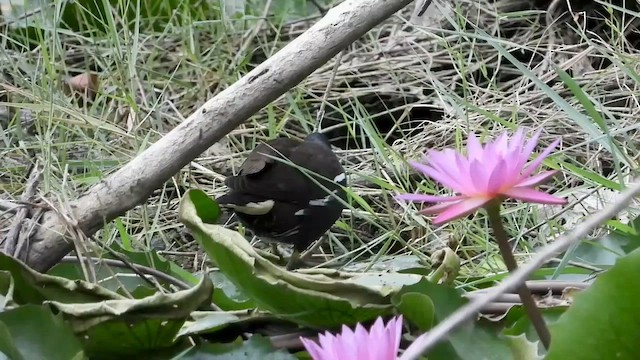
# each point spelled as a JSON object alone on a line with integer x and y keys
{"x": 134, "y": 182}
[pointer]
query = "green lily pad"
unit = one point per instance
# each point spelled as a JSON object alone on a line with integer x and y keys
{"x": 517, "y": 321}
{"x": 133, "y": 326}
{"x": 33, "y": 332}
{"x": 6, "y": 289}
{"x": 474, "y": 341}
{"x": 256, "y": 348}
{"x": 522, "y": 348}
{"x": 604, "y": 320}
{"x": 32, "y": 287}
{"x": 8, "y": 349}
{"x": 208, "y": 321}
{"x": 121, "y": 279}
{"x": 227, "y": 295}
{"x": 416, "y": 308}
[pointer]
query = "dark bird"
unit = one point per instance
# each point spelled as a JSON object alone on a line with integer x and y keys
{"x": 288, "y": 191}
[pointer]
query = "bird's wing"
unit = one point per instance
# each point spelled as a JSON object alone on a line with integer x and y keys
{"x": 263, "y": 176}
{"x": 322, "y": 168}
{"x": 267, "y": 178}
{"x": 261, "y": 158}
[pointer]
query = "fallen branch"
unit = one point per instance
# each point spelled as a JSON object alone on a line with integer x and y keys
{"x": 134, "y": 183}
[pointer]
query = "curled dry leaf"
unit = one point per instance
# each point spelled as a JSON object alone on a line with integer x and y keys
{"x": 86, "y": 84}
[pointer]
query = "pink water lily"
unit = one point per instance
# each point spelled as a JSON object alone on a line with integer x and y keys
{"x": 382, "y": 342}
{"x": 499, "y": 169}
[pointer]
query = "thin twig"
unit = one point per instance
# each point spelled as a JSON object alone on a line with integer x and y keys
{"x": 9, "y": 206}
{"x": 126, "y": 263}
{"x": 140, "y": 270}
{"x": 304, "y": 256}
{"x": 544, "y": 286}
{"x": 79, "y": 240}
{"x": 425, "y": 6}
{"x": 320, "y": 114}
{"x": 548, "y": 61}
{"x": 26, "y": 232}
{"x": 470, "y": 310}
{"x": 11, "y": 240}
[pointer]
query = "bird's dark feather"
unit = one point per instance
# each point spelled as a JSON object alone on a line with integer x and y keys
{"x": 263, "y": 176}
{"x": 260, "y": 158}
{"x": 276, "y": 225}
{"x": 302, "y": 210}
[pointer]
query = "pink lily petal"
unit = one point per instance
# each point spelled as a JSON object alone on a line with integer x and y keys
{"x": 480, "y": 173}
{"x": 498, "y": 169}
{"x": 460, "y": 210}
{"x": 314, "y": 350}
{"x": 395, "y": 331}
{"x": 497, "y": 178}
{"x": 426, "y": 198}
{"x": 537, "y": 179}
{"x": 381, "y": 342}
{"x": 435, "y": 209}
{"x": 473, "y": 145}
{"x": 535, "y": 196}
{"x": 517, "y": 140}
{"x": 348, "y": 344}
{"x": 463, "y": 167}
{"x": 528, "y": 149}
{"x": 442, "y": 160}
{"x": 443, "y": 178}
{"x": 328, "y": 344}
{"x": 495, "y": 150}
{"x": 535, "y": 163}
{"x": 377, "y": 335}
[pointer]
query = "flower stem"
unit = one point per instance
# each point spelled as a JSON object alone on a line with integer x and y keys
{"x": 526, "y": 297}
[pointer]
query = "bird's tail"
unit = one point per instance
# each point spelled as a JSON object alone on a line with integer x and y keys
{"x": 245, "y": 204}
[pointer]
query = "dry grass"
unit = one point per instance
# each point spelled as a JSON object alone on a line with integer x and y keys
{"x": 408, "y": 85}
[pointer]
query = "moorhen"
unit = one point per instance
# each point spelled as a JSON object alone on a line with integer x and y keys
{"x": 288, "y": 191}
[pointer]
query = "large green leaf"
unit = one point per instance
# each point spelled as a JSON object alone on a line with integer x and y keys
{"x": 522, "y": 348}
{"x": 256, "y": 348}
{"x": 6, "y": 289}
{"x": 8, "y": 349}
{"x": 416, "y": 308}
{"x": 317, "y": 298}
{"x": 227, "y": 295}
{"x": 122, "y": 279}
{"x": 32, "y": 287}
{"x": 208, "y": 321}
{"x": 517, "y": 322}
{"x": 208, "y": 209}
{"x": 604, "y": 320}
{"x": 35, "y": 333}
{"x": 134, "y": 326}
